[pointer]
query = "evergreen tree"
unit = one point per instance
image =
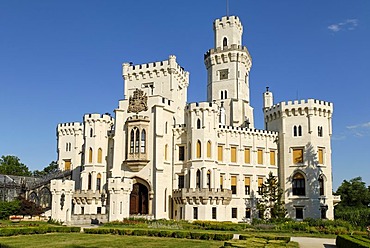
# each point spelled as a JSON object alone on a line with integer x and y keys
{"x": 271, "y": 203}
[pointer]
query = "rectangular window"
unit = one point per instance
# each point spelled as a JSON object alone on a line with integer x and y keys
{"x": 220, "y": 153}
{"x": 260, "y": 156}
{"x": 181, "y": 182}
{"x": 272, "y": 158}
{"x": 224, "y": 74}
{"x": 248, "y": 213}
{"x": 221, "y": 181}
{"x": 214, "y": 213}
{"x": 297, "y": 155}
{"x": 247, "y": 156}
{"x": 299, "y": 213}
{"x": 320, "y": 155}
{"x": 82, "y": 210}
{"x": 181, "y": 153}
{"x": 234, "y": 213}
{"x": 233, "y": 184}
{"x": 247, "y": 185}
{"x": 233, "y": 154}
{"x": 98, "y": 210}
{"x": 195, "y": 213}
{"x": 260, "y": 184}
{"x": 67, "y": 164}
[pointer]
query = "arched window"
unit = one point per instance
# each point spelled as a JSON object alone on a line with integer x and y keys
{"x": 90, "y": 155}
{"x": 225, "y": 94}
{"x": 66, "y": 147}
{"x": 321, "y": 185}
{"x": 319, "y": 130}
{"x": 89, "y": 181}
{"x": 91, "y": 132}
{"x": 132, "y": 140}
{"x": 198, "y": 124}
{"x": 198, "y": 179}
{"x": 100, "y": 155}
{"x": 295, "y": 131}
{"x": 199, "y": 149}
{"x": 143, "y": 140}
{"x": 299, "y": 184}
{"x": 299, "y": 130}
{"x": 222, "y": 94}
{"x": 224, "y": 42}
{"x": 209, "y": 179}
{"x": 98, "y": 181}
{"x": 137, "y": 138}
{"x": 209, "y": 147}
{"x": 70, "y": 146}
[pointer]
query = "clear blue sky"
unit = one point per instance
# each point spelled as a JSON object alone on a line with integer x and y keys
{"x": 61, "y": 59}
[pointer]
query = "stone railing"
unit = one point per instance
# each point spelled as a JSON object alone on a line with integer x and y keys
{"x": 202, "y": 196}
{"x": 86, "y": 197}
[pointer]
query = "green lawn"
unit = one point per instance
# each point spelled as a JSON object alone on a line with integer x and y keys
{"x": 56, "y": 240}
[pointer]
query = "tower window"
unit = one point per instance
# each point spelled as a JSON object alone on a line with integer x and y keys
{"x": 247, "y": 156}
{"x": 137, "y": 138}
{"x": 320, "y": 155}
{"x": 247, "y": 183}
{"x": 209, "y": 179}
{"x": 198, "y": 179}
{"x": 260, "y": 156}
{"x": 198, "y": 124}
{"x": 98, "y": 181}
{"x": 181, "y": 153}
{"x": 89, "y": 182}
{"x": 272, "y": 158}
{"x": 214, "y": 213}
{"x": 295, "y": 131}
{"x": 221, "y": 181}
{"x": 199, "y": 149}
{"x": 143, "y": 141}
{"x": 224, "y": 42}
{"x": 132, "y": 140}
{"x": 209, "y": 146}
{"x": 90, "y": 155}
{"x": 319, "y": 130}
{"x": 321, "y": 185}
{"x": 234, "y": 212}
{"x": 299, "y": 187}
{"x": 195, "y": 213}
{"x": 299, "y": 130}
{"x": 100, "y": 155}
{"x": 220, "y": 153}
{"x": 233, "y": 154}
{"x": 181, "y": 184}
{"x": 224, "y": 74}
{"x": 91, "y": 132}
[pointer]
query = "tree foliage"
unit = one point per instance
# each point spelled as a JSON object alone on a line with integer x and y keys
{"x": 9, "y": 208}
{"x": 11, "y": 165}
{"x": 271, "y": 203}
{"x": 353, "y": 194}
{"x": 51, "y": 168}
{"x": 28, "y": 207}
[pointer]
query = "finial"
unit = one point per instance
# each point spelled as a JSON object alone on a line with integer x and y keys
{"x": 267, "y": 89}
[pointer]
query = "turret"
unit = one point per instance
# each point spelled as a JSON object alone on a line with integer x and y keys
{"x": 268, "y": 99}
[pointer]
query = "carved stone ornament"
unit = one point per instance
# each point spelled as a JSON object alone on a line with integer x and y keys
{"x": 138, "y": 102}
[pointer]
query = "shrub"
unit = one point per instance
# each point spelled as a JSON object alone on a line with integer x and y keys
{"x": 181, "y": 234}
{"x": 165, "y": 233}
{"x": 223, "y": 236}
{"x": 346, "y": 241}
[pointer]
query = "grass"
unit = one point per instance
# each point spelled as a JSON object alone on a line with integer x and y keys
{"x": 76, "y": 240}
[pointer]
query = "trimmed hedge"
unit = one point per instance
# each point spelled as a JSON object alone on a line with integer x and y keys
{"x": 347, "y": 241}
{"x": 267, "y": 237}
{"x": 162, "y": 233}
{"x": 37, "y": 230}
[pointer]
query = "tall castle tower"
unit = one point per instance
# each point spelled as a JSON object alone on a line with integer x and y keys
{"x": 228, "y": 65}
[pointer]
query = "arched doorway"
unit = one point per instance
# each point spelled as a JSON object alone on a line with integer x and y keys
{"x": 139, "y": 199}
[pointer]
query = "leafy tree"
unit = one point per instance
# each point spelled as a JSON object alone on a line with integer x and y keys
{"x": 271, "y": 203}
{"x": 9, "y": 208}
{"x": 28, "y": 207}
{"x": 353, "y": 194}
{"x": 11, "y": 165}
{"x": 51, "y": 168}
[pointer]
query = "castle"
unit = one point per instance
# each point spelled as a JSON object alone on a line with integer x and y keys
{"x": 161, "y": 157}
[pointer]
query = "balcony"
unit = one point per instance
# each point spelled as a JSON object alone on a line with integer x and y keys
{"x": 136, "y": 161}
{"x": 202, "y": 196}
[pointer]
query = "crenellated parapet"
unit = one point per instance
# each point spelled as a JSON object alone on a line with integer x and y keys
{"x": 156, "y": 70}
{"x": 86, "y": 197}
{"x": 231, "y": 53}
{"x": 247, "y": 131}
{"x": 202, "y": 107}
{"x": 227, "y": 22}
{"x": 98, "y": 118}
{"x": 299, "y": 108}
{"x": 69, "y": 128}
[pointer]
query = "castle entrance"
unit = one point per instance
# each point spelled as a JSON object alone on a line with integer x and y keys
{"x": 139, "y": 199}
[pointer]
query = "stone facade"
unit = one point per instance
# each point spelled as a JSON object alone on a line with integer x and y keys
{"x": 161, "y": 157}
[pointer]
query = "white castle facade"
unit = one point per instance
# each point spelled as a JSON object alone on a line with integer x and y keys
{"x": 161, "y": 157}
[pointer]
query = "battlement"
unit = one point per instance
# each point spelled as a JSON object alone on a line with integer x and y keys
{"x": 231, "y": 53}
{"x": 201, "y": 106}
{"x": 98, "y": 117}
{"x": 300, "y": 107}
{"x": 244, "y": 130}
{"x": 138, "y": 118}
{"x": 69, "y": 128}
{"x": 228, "y": 21}
{"x": 155, "y": 69}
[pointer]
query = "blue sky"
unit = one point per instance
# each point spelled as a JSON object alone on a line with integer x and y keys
{"x": 61, "y": 59}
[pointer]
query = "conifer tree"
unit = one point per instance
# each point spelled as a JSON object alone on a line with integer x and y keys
{"x": 271, "y": 203}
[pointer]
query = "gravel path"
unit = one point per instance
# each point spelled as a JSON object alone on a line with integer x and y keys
{"x": 314, "y": 242}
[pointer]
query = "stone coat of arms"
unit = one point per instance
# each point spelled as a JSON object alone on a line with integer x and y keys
{"x": 138, "y": 102}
